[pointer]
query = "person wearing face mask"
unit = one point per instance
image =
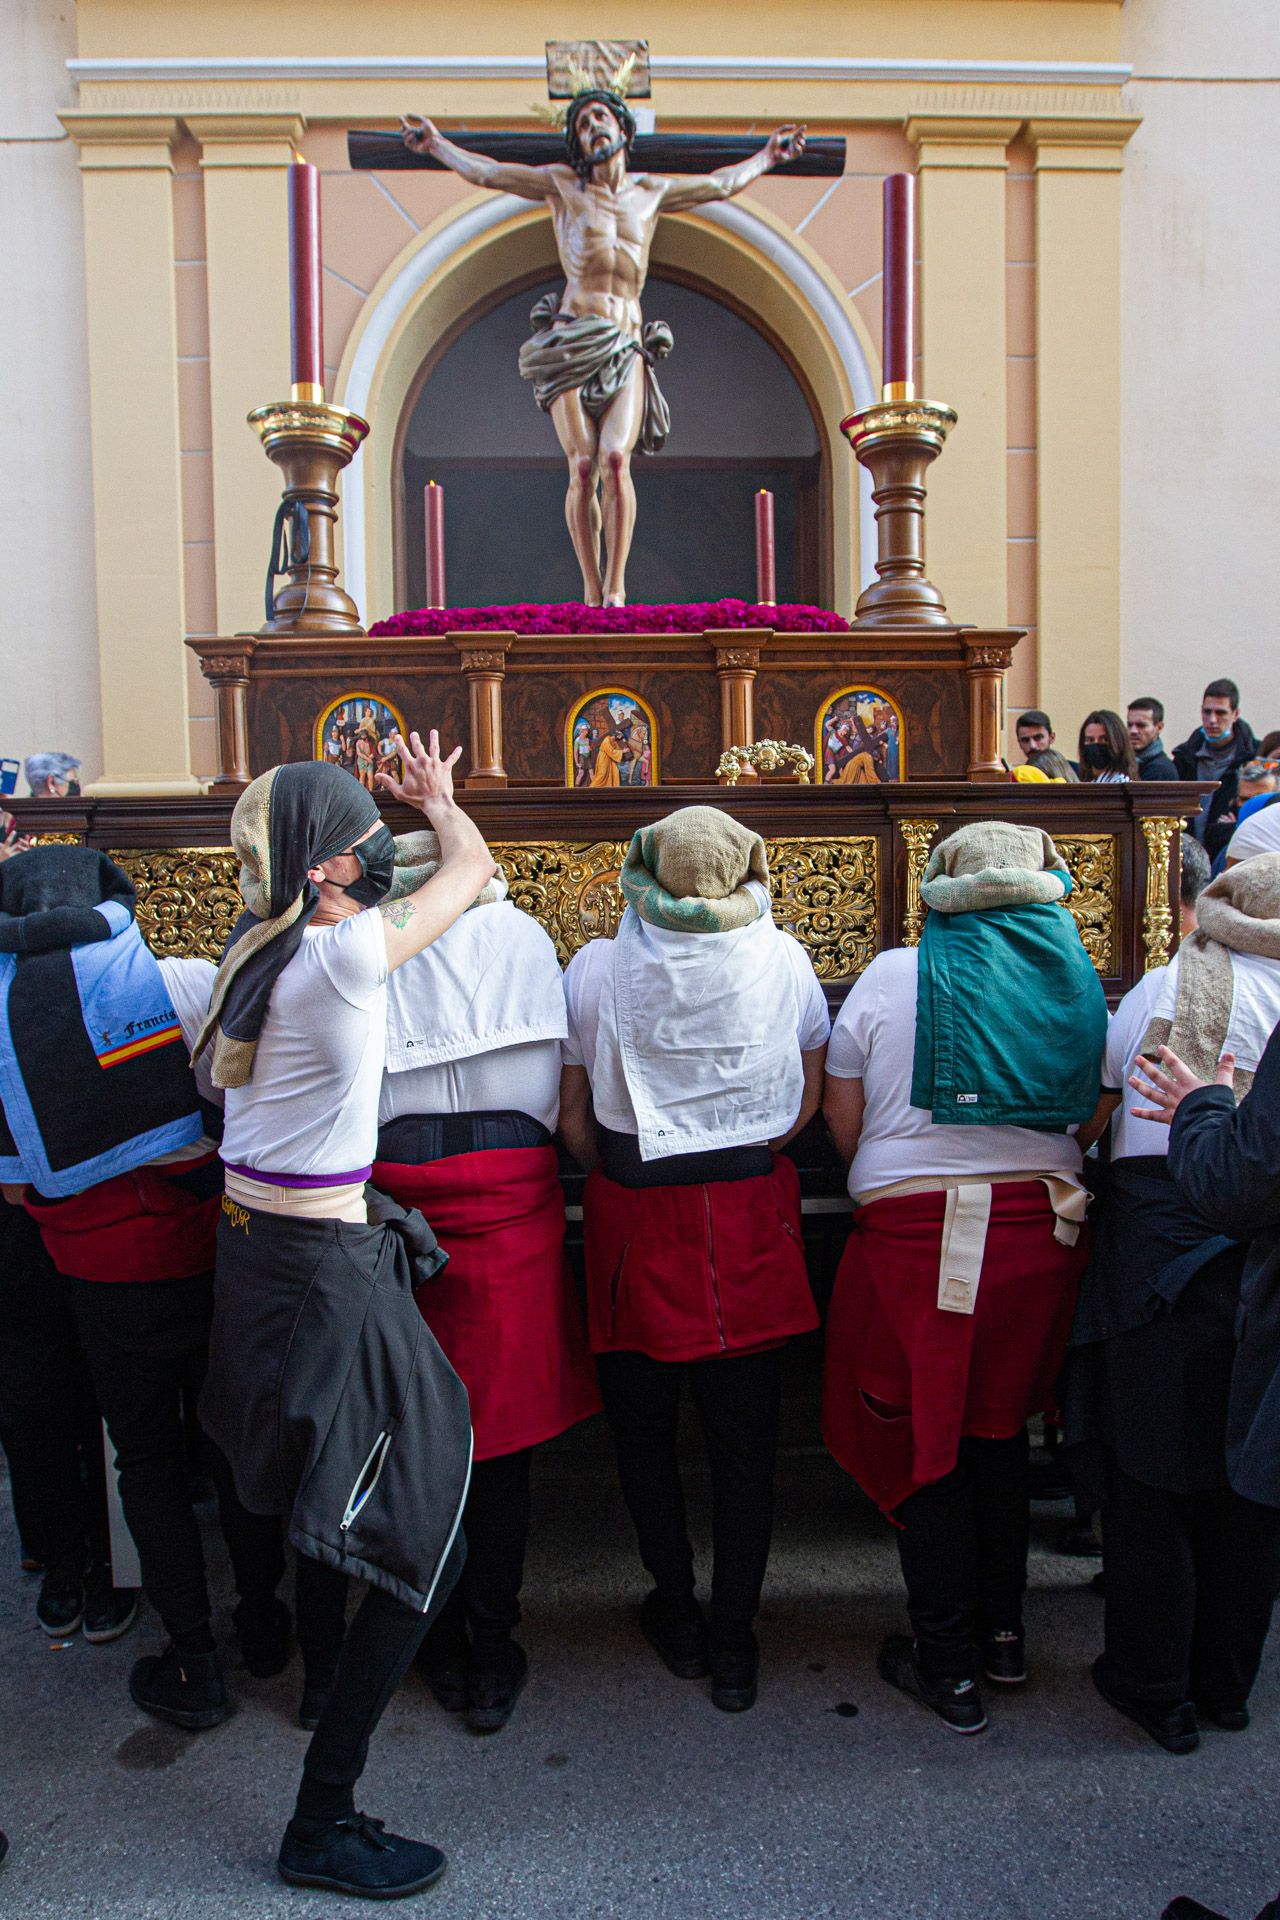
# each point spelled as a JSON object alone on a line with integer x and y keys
{"x": 1106, "y": 758}
{"x": 1218, "y": 748}
{"x": 326, "y": 1390}
{"x": 52, "y": 776}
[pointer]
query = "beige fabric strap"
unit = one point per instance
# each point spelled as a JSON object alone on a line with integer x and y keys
{"x": 966, "y": 1219}
{"x": 300, "y": 1203}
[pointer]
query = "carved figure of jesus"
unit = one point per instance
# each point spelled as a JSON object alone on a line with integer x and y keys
{"x": 591, "y": 359}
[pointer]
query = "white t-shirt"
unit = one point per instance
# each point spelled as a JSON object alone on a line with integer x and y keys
{"x": 524, "y": 1079}
{"x": 189, "y": 984}
{"x": 311, "y": 1106}
{"x": 873, "y": 1040}
{"x": 1255, "y": 1012}
{"x": 589, "y": 975}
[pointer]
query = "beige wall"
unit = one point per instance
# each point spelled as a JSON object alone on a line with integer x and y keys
{"x": 48, "y": 638}
{"x": 1201, "y": 355}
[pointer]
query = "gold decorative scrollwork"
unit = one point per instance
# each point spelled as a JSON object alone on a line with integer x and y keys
{"x": 826, "y": 893}
{"x": 917, "y": 835}
{"x": 188, "y": 899}
{"x": 1157, "y": 917}
{"x": 1093, "y": 900}
{"x": 58, "y": 839}
{"x": 570, "y": 887}
{"x": 765, "y": 756}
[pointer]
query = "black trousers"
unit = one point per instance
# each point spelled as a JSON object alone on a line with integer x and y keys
{"x": 50, "y": 1426}
{"x": 1191, "y": 1582}
{"x": 148, "y": 1346}
{"x": 963, "y": 1546}
{"x": 738, "y": 1400}
{"x": 375, "y": 1655}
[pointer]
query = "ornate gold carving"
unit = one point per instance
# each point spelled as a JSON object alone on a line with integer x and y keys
{"x": 1157, "y": 918}
{"x": 484, "y": 660}
{"x": 324, "y": 426}
{"x": 739, "y": 659}
{"x": 57, "y": 839}
{"x": 826, "y": 893}
{"x": 188, "y": 899}
{"x": 766, "y": 756}
{"x": 929, "y": 420}
{"x": 917, "y": 835}
{"x": 1094, "y": 897}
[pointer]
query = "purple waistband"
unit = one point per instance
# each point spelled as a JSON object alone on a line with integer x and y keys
{"x": 356, "y": 1179}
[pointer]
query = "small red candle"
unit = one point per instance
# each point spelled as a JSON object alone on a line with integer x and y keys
{"x": 306, "y": 305}
{"x": 766, "y": 563}
{"x": 899, "y": 347}
{"x": 433, "y": 519}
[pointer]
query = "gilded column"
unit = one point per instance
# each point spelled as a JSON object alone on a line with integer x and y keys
{"x": 243, "y": 158}
{"x": 962, "y": 173}
{"x": 1078, "y": 165}
{"x": 485, "y": 668}
{"x": 126, "y": 167}
{"x": 1157, "y": 917}
{"x": 917, "y": 834}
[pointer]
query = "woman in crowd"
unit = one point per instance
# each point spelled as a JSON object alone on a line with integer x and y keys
{"x": 325, "y": 1389}
{"x": 470, "y": 1101}
{"x": 1192, "y": 1563}
{"x": 954, "y": 1074}
{"x": 1106, "y": 757}
{"x": 695, "y": 1050}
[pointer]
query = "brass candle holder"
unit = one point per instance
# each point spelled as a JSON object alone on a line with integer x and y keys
{"x": 311, "y": 442}
{"x": 897, "y": 441}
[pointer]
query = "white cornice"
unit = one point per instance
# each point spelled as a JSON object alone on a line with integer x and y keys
{"x": 683, "y": 66}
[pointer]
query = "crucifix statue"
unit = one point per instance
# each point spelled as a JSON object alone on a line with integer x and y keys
{"x": 591, "y": 357}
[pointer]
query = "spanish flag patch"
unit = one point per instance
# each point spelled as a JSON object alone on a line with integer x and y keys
{"x": 140, "y": 1043}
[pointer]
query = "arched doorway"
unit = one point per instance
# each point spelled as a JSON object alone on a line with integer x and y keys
{"x": 740, "y": 421}
{"x": 494, "y": 245}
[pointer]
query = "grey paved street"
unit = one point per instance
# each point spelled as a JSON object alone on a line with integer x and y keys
{"x": 619, "y": 1793}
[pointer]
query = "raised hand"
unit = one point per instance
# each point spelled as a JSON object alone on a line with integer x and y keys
{"x": 428, "y": 780}
{"x": 788, "y": 143}
{"x": 1167, "y": 1086}
{"x": 419, "y": 134}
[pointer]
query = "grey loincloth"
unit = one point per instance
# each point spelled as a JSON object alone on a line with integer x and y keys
{"x": 587, "y": 352}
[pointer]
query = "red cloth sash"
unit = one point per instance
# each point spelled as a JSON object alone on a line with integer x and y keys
{"x": 931, "y": 1376}
{"x": 505, "y": 1309}
{"x": 687, "y": 1273}
{"x": 137, "y": 1226}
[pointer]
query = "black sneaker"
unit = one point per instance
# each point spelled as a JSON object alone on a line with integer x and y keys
{"x": 184, "y": 1688}
{"x": 957, "y": 1702}
{"x": 1230, "y": 1719}
{"x": 1173, "y": 1728}
{"x": 263, "y": 1632}
{"x": 678, "y": 1632}
{"x": 735, "y": 1670}
{"x": 445, "y": 1672}
{"x": 60, "y": 1608}
{"x": 1004, "y": 1658}
{"x": 359, "y": 1856}
{"x": 1184, "y": 1908}
{"x": 492, "y": 1691}
{"x": 109, "y": 1611}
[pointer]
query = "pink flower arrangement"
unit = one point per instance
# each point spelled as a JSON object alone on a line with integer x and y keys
{"x": 569, "y": 617}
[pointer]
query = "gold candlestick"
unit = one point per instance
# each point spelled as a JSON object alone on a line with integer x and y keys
{"x": 311, "y": 443}
{"x": 897, "y": 441}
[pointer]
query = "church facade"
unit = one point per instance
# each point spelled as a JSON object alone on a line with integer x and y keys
{"x": 1089, "y": 285}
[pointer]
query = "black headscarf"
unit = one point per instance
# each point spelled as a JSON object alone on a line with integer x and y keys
{"x": 48, "y": 896}
{"x": 284, "y": 822}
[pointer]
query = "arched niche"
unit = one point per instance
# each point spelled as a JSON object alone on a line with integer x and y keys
{"x": 494, "y": 245}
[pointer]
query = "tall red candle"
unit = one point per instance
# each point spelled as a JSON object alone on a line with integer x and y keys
{"x": 899, "y": 348}
{"x": 306, "y": 304}
{"x": 766, "y": 562}
{"x": 433, "y": 520}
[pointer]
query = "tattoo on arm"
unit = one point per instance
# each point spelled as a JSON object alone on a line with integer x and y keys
{"x": 398, "y": 912}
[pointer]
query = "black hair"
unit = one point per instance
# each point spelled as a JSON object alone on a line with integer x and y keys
{"x": 1195, "y": 870}
{"x": 1119, "y": 752}
{"x": 1147, "y": 705}
{"x": 617, "y": 107}
{"x": 1033, "y": 718}
{"x": 1223, "y": 690}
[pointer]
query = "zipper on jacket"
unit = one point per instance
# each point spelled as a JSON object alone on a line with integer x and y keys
{"x": 457, "y": 1520}
{"x": 366, "y": 1480}
{"x": 711, "y": 1264}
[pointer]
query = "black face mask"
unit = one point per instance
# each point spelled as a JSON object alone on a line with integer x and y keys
{"x": 1096, "y": 754}
{"x": 377, "y": 857}
{"x": 73, "y": 789}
